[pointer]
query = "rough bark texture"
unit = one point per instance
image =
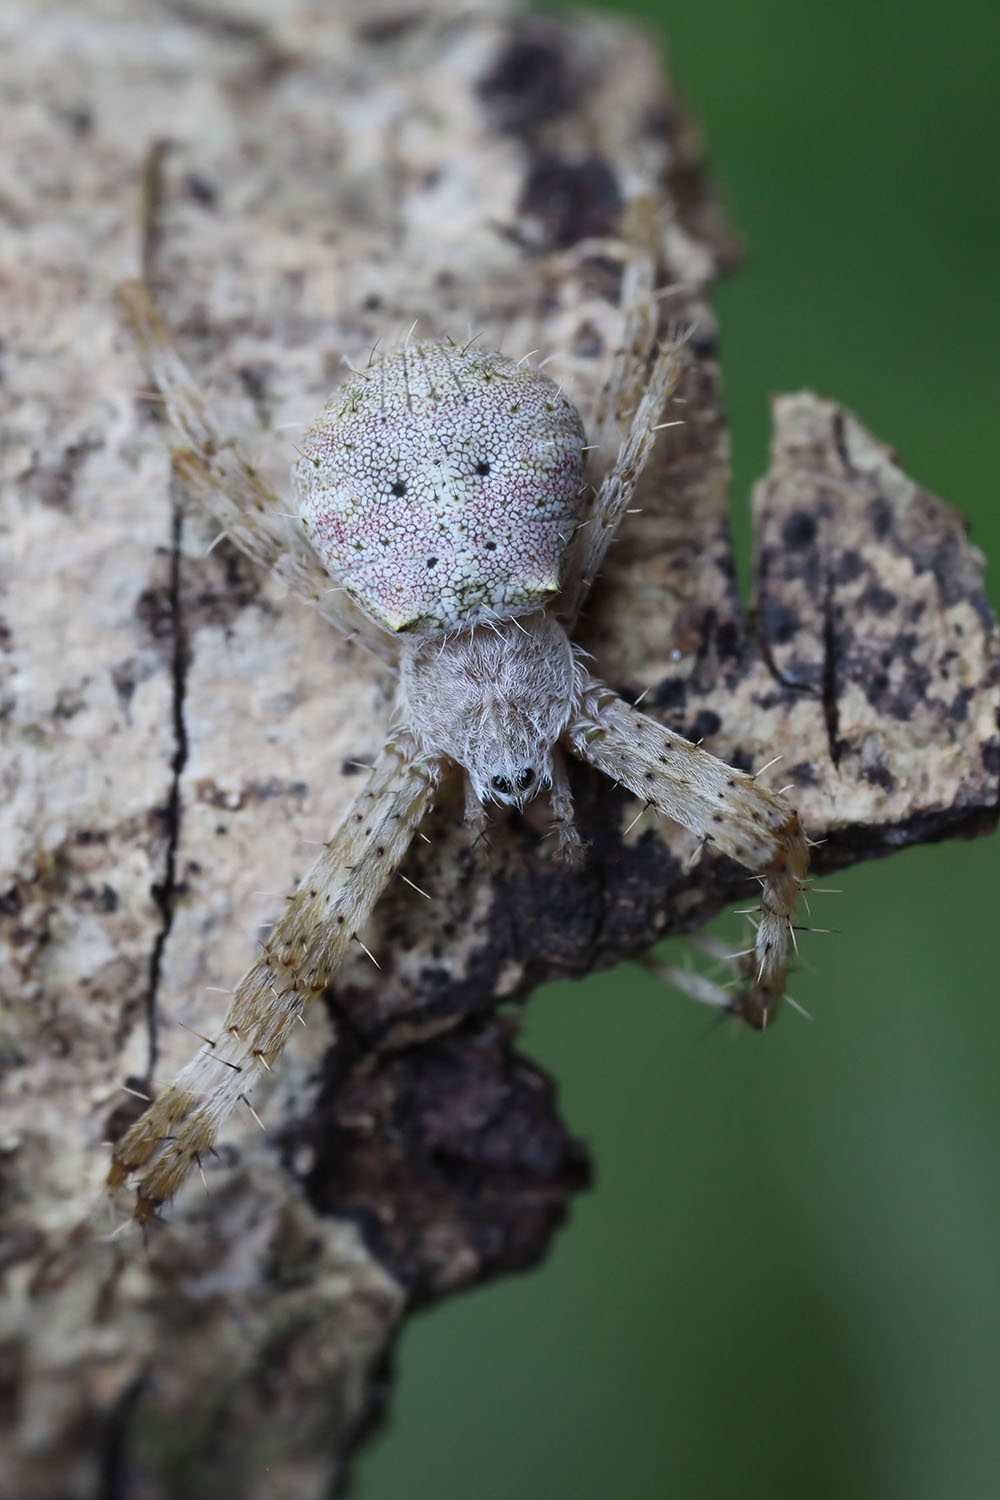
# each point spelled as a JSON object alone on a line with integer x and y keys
{"x": 176, "y": 730}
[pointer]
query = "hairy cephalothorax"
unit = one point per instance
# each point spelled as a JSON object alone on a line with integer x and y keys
{"x": 495, "y": 698}
{"x": 448, "y": 517}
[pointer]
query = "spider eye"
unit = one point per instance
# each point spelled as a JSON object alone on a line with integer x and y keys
{"x": 526, "y": 777}
{"x": 502, "y": 785}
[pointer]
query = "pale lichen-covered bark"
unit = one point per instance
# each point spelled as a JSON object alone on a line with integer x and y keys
{"x": 178, "y": 733}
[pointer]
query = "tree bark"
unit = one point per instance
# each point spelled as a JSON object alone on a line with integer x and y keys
{"x": 177, "y": 731}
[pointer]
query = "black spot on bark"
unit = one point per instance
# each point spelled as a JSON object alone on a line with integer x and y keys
{"x": 880, "y": 600}
{"x": 602, "y": 276}
{"x": 201, "y": 189}
{"x": 382, "y": 30}
{"x": 728, "y": 640}
{"x": 253, "y": 379}
{"x": 799, "y": 531}
{"x": 849, "y": 565}
{"x": 880, "y": 514}
{"x": 704, "y": 342}
{"x": 11, "y": 902}
{"x": 706, "y": 724}
{"x": 571, "y": 201}
{"x": 671, "y": 693}
{"x": 528, "y": 84}
{"x": 52, "y": 485}
{"x": 778, "y": 622}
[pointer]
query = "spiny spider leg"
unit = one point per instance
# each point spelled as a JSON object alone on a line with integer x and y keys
{"x": 618, "y": 486}
{"x": 626, "y": 378}
{"x": 227, "y": 484}
{"x": 569, "y": 844}
{"x": 726, "y": 808}
{"x": 301, "y": 955}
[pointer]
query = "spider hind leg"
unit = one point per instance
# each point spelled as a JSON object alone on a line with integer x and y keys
{"x": 302, "y": 953}
{"x": 729, "y": 811}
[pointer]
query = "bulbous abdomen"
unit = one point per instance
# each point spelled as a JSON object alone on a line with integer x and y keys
{"x": 442, "y": 487}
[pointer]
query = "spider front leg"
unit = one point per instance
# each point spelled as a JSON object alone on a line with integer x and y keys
{"x": 626, "y": 375}
{"x": 227, "y": 485}
{"x": 726, "y": 808}
{"x": 302, "y": 953}
{"x": 618, "y": 487}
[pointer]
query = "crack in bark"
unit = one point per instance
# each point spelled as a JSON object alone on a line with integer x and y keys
{"x": 831, "y": 710}
{"x": 165, "y": 891}
{"x": 113, "y": 1478}
{"x": 757, "y": 637}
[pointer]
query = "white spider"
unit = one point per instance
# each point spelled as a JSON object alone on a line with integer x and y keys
{"x": 447, "y": 517}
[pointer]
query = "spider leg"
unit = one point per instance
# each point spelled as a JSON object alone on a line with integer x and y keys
{"x": 626, "y": 376}
{"x": 569, "y": 844}
{"x": 302, "y": 953}
{"x": 617, "y": 489}
{"x": 726, "y": 808}
{"x": 227, "y": 484}
{"x": 476, "y": 816}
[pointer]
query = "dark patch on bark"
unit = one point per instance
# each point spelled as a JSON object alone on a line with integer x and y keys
{"x": 705, "y": 724}
{"x": 570, "y": 200}
{"x": 530, "y": 82}
{"x": 670, "y": 694}
{"x": 849, "y": 566}
{"x": 450, "y": 1157}
{"x": 878, "y": 599}
{"x": 392, "y": 28}
{"x": 778, "y": 622}
{"x": 602, "y": 275}
{"x": 259, "y": 789}
{"x": 226, "y": 26}
{"x": 52, "y": 484}
{"x": 799, "y": 531}
{"x": 201, "y": 189}
{"x": 217, "y": 588}
{"x": 687, "y": 184}
{"x": 880, "y": 514}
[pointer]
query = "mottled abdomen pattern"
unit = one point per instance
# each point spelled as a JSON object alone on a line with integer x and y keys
{"x": 442, "y": 486}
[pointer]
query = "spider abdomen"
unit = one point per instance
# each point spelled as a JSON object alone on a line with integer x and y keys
{"x": 442, "y": 487}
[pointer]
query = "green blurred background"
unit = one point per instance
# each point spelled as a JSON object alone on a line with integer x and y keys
{"x": 787, "y": 1280}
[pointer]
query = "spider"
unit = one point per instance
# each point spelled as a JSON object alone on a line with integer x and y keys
{"x": 447, "y": 516}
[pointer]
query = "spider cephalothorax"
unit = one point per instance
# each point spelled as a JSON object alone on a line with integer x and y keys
{"x": 446, "y": 513}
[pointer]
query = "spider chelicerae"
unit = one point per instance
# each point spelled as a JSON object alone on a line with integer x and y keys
{"x": 447, "y": 517}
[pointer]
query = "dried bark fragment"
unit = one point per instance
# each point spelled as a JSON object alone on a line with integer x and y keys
{"x": 176, "y": 730}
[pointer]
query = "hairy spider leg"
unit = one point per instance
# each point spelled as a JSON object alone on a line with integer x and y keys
{"x": 569, "y": 845}
{"x": 303, "y": 952}
{"x": 727, "y": 809}
{"x": 228, "y": 485}
{"x": 617, "y": 489}
{"x": 623, "y": 386}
